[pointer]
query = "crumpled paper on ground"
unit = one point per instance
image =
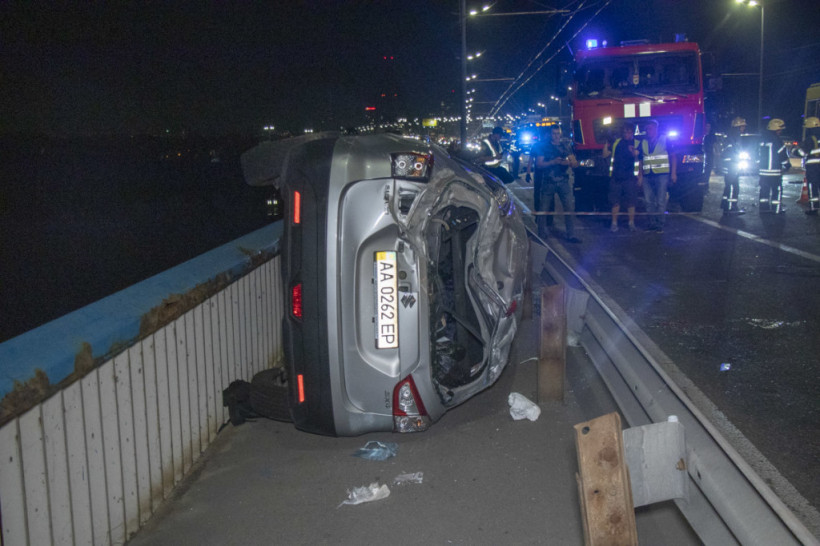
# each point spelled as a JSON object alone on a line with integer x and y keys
{"x": 369, "y": 493}
{"x": 413, "y": 477}
{"x": 522, "y": 408}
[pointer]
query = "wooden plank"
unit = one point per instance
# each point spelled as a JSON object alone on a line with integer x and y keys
{"x": 185, "y": 395}
{"x": 12, "y": 499}
{"x": 606, "y": 496}
{"x": 167, "y": 410}
{"x": 177, "y": 401}
{"x": 222, "y": 311}
{"x": 279, "y": 308}
{"x": 553, "y": 344}
{"x": 267, "y": 339}
{"x": 211, "y": 368}
{"x": 153, "y": 430}
{"x": 78, "y": 476}
{"x": 244, "y": 331}
{"x": 96, "y": 458}
{"x": 139, "y": 395}
{"x": 113, "y": 454}
{"x": 57, "y": 469}
{"x": 128, "y": 454}
{"x": 255, "y": 318}
{"x": 196, "y": 373}
{"x": 233, "y": 332}
{"x": 34, "y": 476}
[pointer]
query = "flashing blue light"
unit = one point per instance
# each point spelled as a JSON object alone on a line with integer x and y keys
{"x": 673, "y": 134}
{"x": 526, "y": 137}
{"x": 592, "y": 43}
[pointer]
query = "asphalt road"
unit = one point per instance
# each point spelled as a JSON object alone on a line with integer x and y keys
{"x": 716, "y": 292}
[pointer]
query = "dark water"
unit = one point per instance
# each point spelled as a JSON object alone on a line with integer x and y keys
{"x": 82, "y": 219}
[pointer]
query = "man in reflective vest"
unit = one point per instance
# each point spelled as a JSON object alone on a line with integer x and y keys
{"x": 659, "y": 173}
{"x": 774, "y": 161}
{"x": 491, "y": 155}
{"x": 810, "y": 150}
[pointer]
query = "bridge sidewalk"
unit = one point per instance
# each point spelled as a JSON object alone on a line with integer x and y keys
{"x": 487, "y": 479}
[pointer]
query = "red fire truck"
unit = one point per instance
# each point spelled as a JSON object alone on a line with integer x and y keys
{"x": 637, "y": 82}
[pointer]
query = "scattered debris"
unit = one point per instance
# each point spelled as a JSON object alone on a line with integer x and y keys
{"x": 522, "y": 408}
{"x": 377, "y": 451}
{"x": 725, "y": 367}
{"x": 414, "y": 477}
{"x": 372, "y": 492}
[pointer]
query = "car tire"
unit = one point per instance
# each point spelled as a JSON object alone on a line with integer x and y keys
{"x": 269, "y": 395}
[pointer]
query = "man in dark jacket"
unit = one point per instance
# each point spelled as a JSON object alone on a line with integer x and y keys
{"x": 735, "y": 160}
{"x": 553, "y": 160}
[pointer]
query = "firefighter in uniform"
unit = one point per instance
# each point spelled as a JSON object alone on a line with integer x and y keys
{"x": 774, "y": 161}
{"x": 491, "y": 155}
{"x": 733, "y": 158}
{"x": 810, "y": 150}
{"x": 659, "y": 173}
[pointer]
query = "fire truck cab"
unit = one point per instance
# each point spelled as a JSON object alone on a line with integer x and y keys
{"x": 637, "y": 82}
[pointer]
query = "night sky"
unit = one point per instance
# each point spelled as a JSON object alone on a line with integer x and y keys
{"x": 218, "y": 68}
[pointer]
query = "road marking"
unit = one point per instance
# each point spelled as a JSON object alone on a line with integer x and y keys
{"x": 758, "y": 239}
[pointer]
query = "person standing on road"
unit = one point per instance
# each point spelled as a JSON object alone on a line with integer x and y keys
{"x": 553, "y": 160}
{"x": 659, "y": 173}
{"x": 491, "y": 155}
{"x": 774, "y": 161}
{"x": 625, "y": 175}
{"x": 709, "y": 150}
{"x": 810, "y": 150}
{"x": 733, "y": 158}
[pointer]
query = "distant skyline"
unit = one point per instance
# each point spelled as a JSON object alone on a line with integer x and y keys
{"x": 214, "y": 68}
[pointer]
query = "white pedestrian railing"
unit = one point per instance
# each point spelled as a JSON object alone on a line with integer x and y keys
{"x": 91, "y": 463}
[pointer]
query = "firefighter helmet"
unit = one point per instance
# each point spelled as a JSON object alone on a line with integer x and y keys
{"x": 811, "y": 122}
{"x": 776, "y": 125}
{"x": 739, "y": 122}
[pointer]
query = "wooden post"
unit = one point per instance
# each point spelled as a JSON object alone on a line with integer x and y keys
{"x": 603, "y": 483}
{"x": 553, "y": 344}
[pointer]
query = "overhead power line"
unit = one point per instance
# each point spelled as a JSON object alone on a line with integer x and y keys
{"x": 518, "y": 84}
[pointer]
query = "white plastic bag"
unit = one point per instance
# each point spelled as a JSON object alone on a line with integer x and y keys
{"x": 372, "y": 492}
{"x": 522, "y": 408}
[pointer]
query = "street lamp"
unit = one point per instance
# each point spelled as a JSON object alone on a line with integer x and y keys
{"x": 754, "y": 3}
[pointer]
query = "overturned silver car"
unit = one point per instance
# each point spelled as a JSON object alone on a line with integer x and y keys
{"x": 404, "y": 272}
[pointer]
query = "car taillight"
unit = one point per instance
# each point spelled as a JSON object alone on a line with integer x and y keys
{"x": 409, "y": 414}
{"x": 300, "y": 383}
{"x": 297, "y": 207}
{"x": 296, "y": 300}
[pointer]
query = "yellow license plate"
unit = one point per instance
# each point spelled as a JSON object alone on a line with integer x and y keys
{"x": 385, "y": 273}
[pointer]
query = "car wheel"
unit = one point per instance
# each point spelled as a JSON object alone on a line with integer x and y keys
{"x": 269, "y": 394}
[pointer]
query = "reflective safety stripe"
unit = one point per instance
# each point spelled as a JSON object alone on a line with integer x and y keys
{"x": 636, "y": 165}
{"x": 492, "y": 162}
{"x": 658, "y": 160}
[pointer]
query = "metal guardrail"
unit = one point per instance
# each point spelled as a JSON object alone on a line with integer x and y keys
{"x": 728, "y": 503}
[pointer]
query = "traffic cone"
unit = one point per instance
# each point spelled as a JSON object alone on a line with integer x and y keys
{"x": 804, "y": 195}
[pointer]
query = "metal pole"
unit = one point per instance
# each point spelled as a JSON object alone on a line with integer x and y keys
{"x": 760, "y": 85}
{"x": 463, "y": 109}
